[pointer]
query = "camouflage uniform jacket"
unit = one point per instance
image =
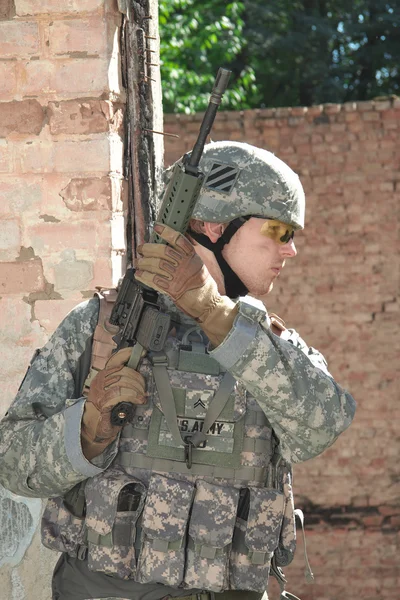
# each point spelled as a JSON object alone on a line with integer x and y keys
{"x": 214, "y": 526}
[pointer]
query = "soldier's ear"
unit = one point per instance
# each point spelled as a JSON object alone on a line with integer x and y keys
{"x": 213, "y": 230}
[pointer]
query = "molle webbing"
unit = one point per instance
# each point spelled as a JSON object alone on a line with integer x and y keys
{"x": 249, "y": 444}
{"x": 164, "y": 465}
{"x": 238, "y": 474}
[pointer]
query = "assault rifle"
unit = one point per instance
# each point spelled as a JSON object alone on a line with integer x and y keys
{"x": 136, "y": 311}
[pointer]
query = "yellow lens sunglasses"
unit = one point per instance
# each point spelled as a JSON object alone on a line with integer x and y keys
{"x": 280, "y": 232}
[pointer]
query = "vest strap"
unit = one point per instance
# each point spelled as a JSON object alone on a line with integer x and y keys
{"x": 99, "y": 540}
{"x": 219, "y": 401}
{"x": 167, "y": 400}
{"x": 136, "y": 355}
{"x": 208, "y": 552}
{"x": 129, "y": 431}
{"x": 164, "y": 545}
{"x": 259, "y": 558}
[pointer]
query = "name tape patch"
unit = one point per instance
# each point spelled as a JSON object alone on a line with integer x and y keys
{"x": 220, "y": 436}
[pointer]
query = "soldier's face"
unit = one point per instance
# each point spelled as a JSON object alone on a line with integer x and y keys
{"x": 257, "y": 259}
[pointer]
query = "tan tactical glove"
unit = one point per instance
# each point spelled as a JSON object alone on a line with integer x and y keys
{"x": 175, "y": 269}
{"x": 114, "y": 384}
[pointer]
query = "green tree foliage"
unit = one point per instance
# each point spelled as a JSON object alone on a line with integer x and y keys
{"x": 198, "y": 36}
{"x": 281, "y": 52}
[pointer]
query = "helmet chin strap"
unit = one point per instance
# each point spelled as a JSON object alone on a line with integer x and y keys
{"x": 234, "y": 286}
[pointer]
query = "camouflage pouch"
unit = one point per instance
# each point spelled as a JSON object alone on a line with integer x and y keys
{"x": 61, "y": 530}
{"x": 114, "y": 502}
{"x": 255, "y": 542}
{"x": 210, "y": 536}
{"x": 165, "y": 517}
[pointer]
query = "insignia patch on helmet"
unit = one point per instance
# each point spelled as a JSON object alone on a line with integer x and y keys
{"x": 221, "y": 177}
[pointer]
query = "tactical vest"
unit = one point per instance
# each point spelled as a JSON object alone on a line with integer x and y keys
{"x": 216, "y": 520}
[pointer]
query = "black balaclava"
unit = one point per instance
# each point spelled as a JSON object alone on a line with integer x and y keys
{"x": 234, "y": 286}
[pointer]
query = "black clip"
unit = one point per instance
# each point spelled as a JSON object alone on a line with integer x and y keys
{"x": 188, "y": 452}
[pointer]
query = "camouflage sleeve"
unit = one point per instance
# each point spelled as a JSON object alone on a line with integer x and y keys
{"x": 40, "y": 448}
{"x": 305, "y": 406}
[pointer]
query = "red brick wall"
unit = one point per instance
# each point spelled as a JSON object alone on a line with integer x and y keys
{"x": 342, "y": 294}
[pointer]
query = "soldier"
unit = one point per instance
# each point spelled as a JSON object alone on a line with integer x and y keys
{"x": 193, "y": 498}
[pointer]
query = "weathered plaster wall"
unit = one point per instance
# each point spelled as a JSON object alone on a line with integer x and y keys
{"x": 61, "y": 208}
{"x": 342, "y": 294}
{"x": 61, "y": 148}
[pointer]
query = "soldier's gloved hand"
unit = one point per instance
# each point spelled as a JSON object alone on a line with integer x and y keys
{"x": 114, "y": 384}
{"x": 175, "y": 269}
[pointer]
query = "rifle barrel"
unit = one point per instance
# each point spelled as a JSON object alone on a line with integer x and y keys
{"x": 220, "y": 85}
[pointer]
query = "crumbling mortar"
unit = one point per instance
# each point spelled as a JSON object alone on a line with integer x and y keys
{"x": 322, "y": 119}
{"x": 49, "y": 219}
{"x": 391, "y": 301}
{"x": 26, "y": 254}
{"x": 80, "y": 100}
{"x": 47, "y": 294}
{"x": 78, "y": 54}
{"x": 8, "y": 11}
{"x": 378, "y": 312}
{"x": 46, "y": 116}
{"x": 242, "y": 123}
{"x": 44, "y": 119}
{"x": 383, "y": 307}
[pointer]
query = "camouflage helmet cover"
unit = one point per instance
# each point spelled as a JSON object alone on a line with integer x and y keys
{"x": 242, "y": 180}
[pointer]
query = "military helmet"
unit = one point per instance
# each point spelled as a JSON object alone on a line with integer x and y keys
{"x": 242, "y": 180}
